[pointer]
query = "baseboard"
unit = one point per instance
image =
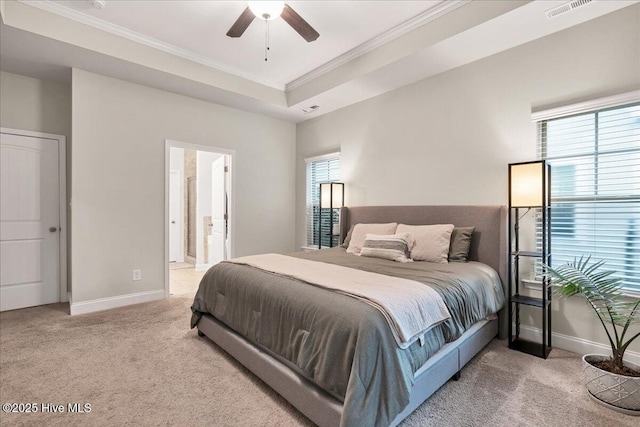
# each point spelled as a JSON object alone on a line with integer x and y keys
{"x": 114, "y": 302}
{"x": 574, "y": 344}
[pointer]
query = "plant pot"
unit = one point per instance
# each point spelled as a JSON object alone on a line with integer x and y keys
{"x": 617, "y": 392}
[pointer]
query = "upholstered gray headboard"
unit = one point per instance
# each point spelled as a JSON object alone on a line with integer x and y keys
{"x": 489, "y": 241}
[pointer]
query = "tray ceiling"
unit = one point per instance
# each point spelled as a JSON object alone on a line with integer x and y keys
{"x": 365, "y": 48}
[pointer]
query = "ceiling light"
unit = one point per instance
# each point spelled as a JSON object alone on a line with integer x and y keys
{"x": 266, "y": 10}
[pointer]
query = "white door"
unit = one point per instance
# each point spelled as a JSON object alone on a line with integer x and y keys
{"x": 175, "y": 217}
{"x": 218, "y": 211}
{"x": 29, "y": 222}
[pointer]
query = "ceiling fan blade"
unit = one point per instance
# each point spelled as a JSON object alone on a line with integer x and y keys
{"x": 241, "y": 24}
{"x": 301, "y": 26}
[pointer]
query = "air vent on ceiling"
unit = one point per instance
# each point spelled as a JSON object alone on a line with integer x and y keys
{"x": 310, "y": 109}
{"x": 567, "y": 7}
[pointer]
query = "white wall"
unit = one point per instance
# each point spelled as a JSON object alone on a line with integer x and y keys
{"x": 118, "y": 180}
{"x": 36, "y": 105}
{"x": 448, "y": 139}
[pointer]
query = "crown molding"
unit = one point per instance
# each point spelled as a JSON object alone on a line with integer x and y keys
{"x": 427, "y": 16}
{"x": 117, "y": 30}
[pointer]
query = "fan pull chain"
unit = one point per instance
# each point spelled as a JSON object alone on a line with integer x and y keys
{"x": 266, "y": 40}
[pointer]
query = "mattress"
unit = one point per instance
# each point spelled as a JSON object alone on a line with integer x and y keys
{"x": 339, "y": 343}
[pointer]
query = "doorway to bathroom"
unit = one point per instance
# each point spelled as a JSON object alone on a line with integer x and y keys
{"x": 198, "y": 213}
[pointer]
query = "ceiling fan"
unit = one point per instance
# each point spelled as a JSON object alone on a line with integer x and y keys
{"x": 268, "y": 10}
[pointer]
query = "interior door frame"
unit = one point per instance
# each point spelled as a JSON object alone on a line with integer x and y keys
{"x": 231, "y": 207}
{"x": 63, "y": 287}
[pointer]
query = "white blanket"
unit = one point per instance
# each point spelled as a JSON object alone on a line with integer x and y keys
{"x": 411, "y": 308}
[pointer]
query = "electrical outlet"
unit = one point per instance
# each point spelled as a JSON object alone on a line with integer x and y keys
{"x": 137, "y": 274}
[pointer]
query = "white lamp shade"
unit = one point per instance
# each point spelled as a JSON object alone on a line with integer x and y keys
{"x": 329, "y": 191}
{"x": 266, "y": 10}
{"x": 527, "y": 182}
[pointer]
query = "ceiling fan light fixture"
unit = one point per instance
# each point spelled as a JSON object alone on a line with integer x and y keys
{"x": 266, "y": 10}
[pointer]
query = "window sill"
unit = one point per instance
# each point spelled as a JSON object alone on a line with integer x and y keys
{"x": 536, "y": 285}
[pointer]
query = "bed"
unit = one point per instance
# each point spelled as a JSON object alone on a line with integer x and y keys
{"x": 330, "y": 355}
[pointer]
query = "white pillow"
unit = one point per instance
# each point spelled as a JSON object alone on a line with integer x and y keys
{"x": 395, "y": 247}
{"x": 360, "y": 232}
{"x": 432, "y": 241}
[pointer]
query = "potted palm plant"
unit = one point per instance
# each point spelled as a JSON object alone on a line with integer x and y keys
{"x": 610, "y": 380}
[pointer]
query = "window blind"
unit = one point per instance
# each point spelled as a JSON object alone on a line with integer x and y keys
{"x": 595, "y": 187}
{"x": 319, "y": 169}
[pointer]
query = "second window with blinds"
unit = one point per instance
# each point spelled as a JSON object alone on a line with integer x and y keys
{"x": 595, "y": 186}
{"x": 319, "y": 169}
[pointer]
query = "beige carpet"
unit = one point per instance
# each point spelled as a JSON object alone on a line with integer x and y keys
{"x": 143, "y": 366}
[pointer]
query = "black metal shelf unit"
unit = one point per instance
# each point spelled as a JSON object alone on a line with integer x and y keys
{"x": 543, "y": 304}
{"x": 331, "y": 199}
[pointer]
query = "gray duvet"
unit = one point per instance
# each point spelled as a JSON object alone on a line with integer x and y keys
{"x": 343, "y": 345}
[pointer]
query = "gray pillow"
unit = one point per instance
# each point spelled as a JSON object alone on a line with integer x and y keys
{"x": 394, "y": 247}
{"x": 460, "y": 244}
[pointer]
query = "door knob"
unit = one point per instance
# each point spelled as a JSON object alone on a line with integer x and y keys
{"x": 173, "y": 222}
{"x": 53, "y": 229}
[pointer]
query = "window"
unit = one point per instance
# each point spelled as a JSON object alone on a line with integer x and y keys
{"x": 595, "y": 186}
{"x": 319, "y": 169}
